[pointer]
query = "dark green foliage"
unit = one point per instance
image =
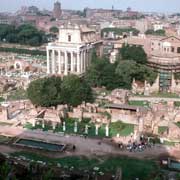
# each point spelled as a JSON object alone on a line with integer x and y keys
{"x": 121, "y": 73}
{"x": 131, "y": 168}
{"x": 51, "y": 91}
{"x": 160, "y": 32}
{"x": 102, "y": 73}
{"x": 45, "y": 92}
{"x": 81, "y": 13}
{"x": 6, "y": 30}
{"x": 75, "y": 90}
{"x": 23, "y": 51}
{"x": 143, "y": 73}
{"x": 54, "y": 29}
{"x": 128, "y": 69}
{"x": 120, "y": 31}
{"x": 177, "y": 75}
{"x": 135, "y": 53}
{"x": 25, "y": 34}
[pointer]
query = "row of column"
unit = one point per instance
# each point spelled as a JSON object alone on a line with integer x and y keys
{"x": 67, "y": 61}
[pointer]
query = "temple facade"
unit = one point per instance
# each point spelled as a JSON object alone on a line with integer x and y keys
{"x": 71, "y": 54}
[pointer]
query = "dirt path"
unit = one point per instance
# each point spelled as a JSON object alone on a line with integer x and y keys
{"x": 88, "y": 146}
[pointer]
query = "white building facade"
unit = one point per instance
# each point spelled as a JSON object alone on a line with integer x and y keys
{"x": 71, "y": 54}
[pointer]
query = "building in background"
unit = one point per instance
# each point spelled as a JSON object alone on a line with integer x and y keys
{"x": 163, "y": 56}
{"x": 57, "y": 12}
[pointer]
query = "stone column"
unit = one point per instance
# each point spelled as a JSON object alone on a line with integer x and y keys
{"x": 75, "y": 127}
{"x": 84, "y": 61}
{"x": 141, "y": 125}
{"x": 54, "y": 126}
{"x": 34, "y": 123}
{"x": 86, "y": 129}
{"x": 66, "y": 64}
{"x": 72, "y": 62}
{"x": 87, "y": 58}
{"x": 96, "y": 131}
{"x": 78, "y": 63}
{"x": 81, "y": 61}
{"x": 107, "y": 130}
{"x": 64, "y": 126}
{"x": 48, "y": 61}
{"x": 59, "y": 62}
{"x": 53, "y": 61}
{"x": 43, "y": 124}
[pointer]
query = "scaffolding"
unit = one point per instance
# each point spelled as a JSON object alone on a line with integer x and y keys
{"x": 165, "y": 80}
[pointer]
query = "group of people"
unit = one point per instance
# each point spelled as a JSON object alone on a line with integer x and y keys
{"x": 136, "y": 146}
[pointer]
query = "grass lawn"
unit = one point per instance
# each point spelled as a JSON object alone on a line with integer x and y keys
{"x": 169, "y": 143}
{"x": 139, "y": 103}
{"x": 115, "y": 128}
{"x": 131, "y": 168}
{"x": 4, "y": 139}
{"x": 38, "y": 126}
{"x": 121, "y": 128}
{"x": 162, "y": 129}
{"x": 165, "y": 95}
{"x": 18, "y": 94}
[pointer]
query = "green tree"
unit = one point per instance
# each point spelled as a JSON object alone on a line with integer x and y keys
{"x": 45, "y": 92}
{"x": 5, "y": 30}
{"x": 128, "y": 69}
{"x": 160, "y": 32}
{"x": 24, "y": 34}
{"x": 75, "y": 90}
{"x": 12, "y": 38}
{"x": 54, "y": 30}
{"x": 102, "y": 73}
{"x": 135, "y": 53}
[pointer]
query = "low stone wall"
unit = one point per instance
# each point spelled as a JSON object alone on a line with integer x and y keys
{"x": 153, "y": 99}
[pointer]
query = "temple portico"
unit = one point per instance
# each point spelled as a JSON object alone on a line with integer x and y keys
{"x": 71, "y": 54}
{"x": 64, "y": 62}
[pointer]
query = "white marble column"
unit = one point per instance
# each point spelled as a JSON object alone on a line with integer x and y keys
{"x": 59, "y": 62}
{"x": 48, "y": 61}
{"x": 84, "y": 61}
{"x": 66, "y": 64}
{"x": 72, "y": 62}
{"x": 88, "y": 58}
{"x": 53, "y": 61}
{"x": 81, "y": 61}
{"x": 78, "y": 63}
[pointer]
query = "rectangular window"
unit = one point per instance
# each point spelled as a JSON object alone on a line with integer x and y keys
{"x": 69, "y": 38}
{"x": 172, "y": 49}
{"x": 178, "y": 50}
